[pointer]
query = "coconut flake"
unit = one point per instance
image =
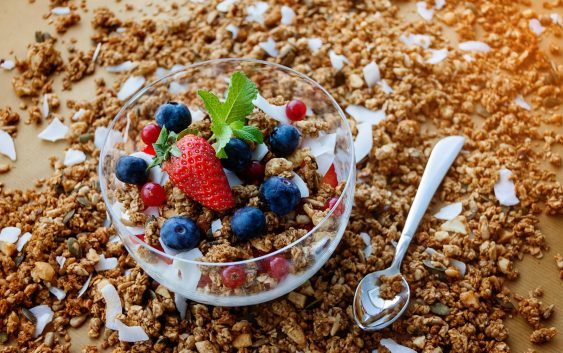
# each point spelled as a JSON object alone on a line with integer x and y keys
{"x": 287, "y": 14}
{"x": 84, "y": 286}
{"x": 438, "y": 4}
{"x": 233, "y": 29}
{"x": 113, "y": 305}
{"x": 129, "y": 87}
{"x": 77, "y": 115}
{"x": 413, "y": 40}
{"x": 58, "y": 293}
{"x": 394, "y": 347}
{"x": 449, "y": 212}
{"x": 8, "y": 65}
{"x": 301, "y": 185}
{"x": 505, "y": 191}
{"x": 320, "y": 145}
{"x": 114, "y": 239}
{"x": 468, "y": 58}
{"x": 337, "y": 60}
{"x": 216, "y": 225}
{"x": 255, "y": 13}
{"x": 269, "y": 47}
{"x": 364, "y": 115}
{"x": 160, "y": 72}
{"x": 152, "y": 211}
{"x": 314, "y": 44}
{"x": 73, "y": 157}
{"x": 168, "y": 250}
{"x": 197, "y": 115}
{"x": 45, "y": 106}
{"x": 232, "y": 178}
{"x": 177, "y": 88}
{"x": 55, "y": 131}
{"x": 324, "y": 161}
{"x": 44, "y": 315}
{"x": 367, "y": 240}
{"x": 10, "y": 234}
{"x": 475, "y": 46}
{"x": 7, "y": 146}
{"x": 438, "y": 55}
{"x": 96, "y": 52}
{"x": 385, "y": 87}
{"x": 535, "y": 26}
{"x": 181, "y": 305}
{"x": 556, "y": 19}
{"x": 423, "y": 11}
{"x": 106, "y": 264}
{"x": 225, "y": 6}
{"x": 364, "y": 141}
{"x": 124, "y": 66}
{"x": 23, "y": 240}
{"x": 276, "y": 112}
{"x": 60, "y": 11}
{"x": 100, "y": 137}
{"x": 190, "y": 272}
{"x": 60, "y": 260}
{"x": 260, "y": 152}
{"x": 519, "y": 101}
{"x": 371, "y": 74}
{"x": 130, "y": 333}
{"x": 461, "y": 266}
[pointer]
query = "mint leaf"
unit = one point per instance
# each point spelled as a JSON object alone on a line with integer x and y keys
{"x": 249, "y": 133}
{"x": 222, "y": 133}
{"x": 213, "y": 105}
{"x": 236, "y": 125}
{"x": 242, "y": 91}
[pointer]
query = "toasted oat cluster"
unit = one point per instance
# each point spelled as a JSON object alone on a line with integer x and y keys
{"x": 498, "y": 88}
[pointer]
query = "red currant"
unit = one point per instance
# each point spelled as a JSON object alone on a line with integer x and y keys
{"x": 153, "y": 194}
{"x": 330, "y": 204}
{"x": 254, "y": 172}
{"x": 278, "y": 267}
{"x": 204, "y": 280}
{"x": 149, "y": 149}
{"x": 296, "y": 110}
{"x": 233, "y": 276}
{"x": 150, "y": 133}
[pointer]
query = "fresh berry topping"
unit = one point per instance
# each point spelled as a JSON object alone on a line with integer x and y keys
{"x": 180, "y": 233}
{"x": 233, "y": 276}
{"x": 254, "y": 172}
{"x": 308, "y": 227}
{"x": 132, "y": 170}
{"x": 284, "y": 140}
{"x": 149, "y": 150}
{"x": 150, "y": 133}
{"x": 330, "y": 177}
{"x": 248, "y": 222}
{"x": 175, "y": 116}
{"x": 204, "y": 281}
{"x": 281, "y": 195}
{"x": 296, "y": 110}
{"x": 153, "y": 194}
{"x": 330, "y": 204}
{"x": 278, "y": 267}
{"x": 238, "y": 155}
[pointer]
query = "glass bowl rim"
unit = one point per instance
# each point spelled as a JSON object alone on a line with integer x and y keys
{"x": 350, "y": 179}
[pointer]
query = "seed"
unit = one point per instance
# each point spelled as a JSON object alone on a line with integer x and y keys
{"x": 440, "y": 309}
{"x": 74, "y": 247}
{"x": 29, "y": 315}
{"x": 3, "y": 337}
{"x": 77, "y": 321}
{"x": 84, "y": 138}
{"x": 83, "y": 201}
{"x": 431, "y": 266}
{"x": 19, "y": 259}
{"x": 68, "y": 216}
{"x": 49, "y": 339}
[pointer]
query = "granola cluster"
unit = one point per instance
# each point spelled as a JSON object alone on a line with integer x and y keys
{"x": 459, "y": 294}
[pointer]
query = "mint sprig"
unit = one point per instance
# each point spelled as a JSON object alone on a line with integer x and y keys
{"x": 228, "y": 118}
{"x": 165, "y": 145}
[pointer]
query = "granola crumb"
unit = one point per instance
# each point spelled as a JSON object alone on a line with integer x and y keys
{"x": 543, "y": 335}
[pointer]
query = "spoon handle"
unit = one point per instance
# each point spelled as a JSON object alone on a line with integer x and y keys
{"x": 441, "y": 158}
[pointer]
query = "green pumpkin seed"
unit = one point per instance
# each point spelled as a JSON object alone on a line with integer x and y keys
{"x": 84, "y": 138}
{"x": 29, "y": 315}
{"x": 68, "y": 216}
{"x": 19, "y": 259}
{"x": 3, "y": 337}
{"x": 74, "y": 247}
{"x": 152, "y": 294}
{"x": 440, "y": 309}
{"x": 431, "y": 266}
{"x": 83, "y": 201}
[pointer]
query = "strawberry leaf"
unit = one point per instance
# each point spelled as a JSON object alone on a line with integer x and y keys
{"x": 249, "y": 133}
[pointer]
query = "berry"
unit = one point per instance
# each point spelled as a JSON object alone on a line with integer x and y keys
{"x": 281, "y": 195}
{"x": 175, "y": 116}
{"x": 180, "y": 233}
{"x": 284, "y": 140}
{"x": 330, "y": 177}
{"x": 149, "y": 149}
{"x": 248, "y": 222}
{"x": 132, "y": 170}
{"x": 254, "y": 172}
{"x": 150, "y": 133}
{"x": 296, "y": 110}
{"x": 204, "y": 281}
{"x": 233, "y": 276}
{"x": 153, "y": 194}
{"x": 330, "y": 204}
{"x": 238, "y": 155}
{"x": 278, "y": 267}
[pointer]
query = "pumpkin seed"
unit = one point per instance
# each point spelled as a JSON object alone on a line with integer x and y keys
{"x": 313, "y": 304}
{"x": 152, "y": 294}
{"x": 83, "y": 201}
{"x": 19, "y": 259}
{"x": 431, "y": 266}
{"x": 505, "y": 305}
{"x": 74, "y": 247}
{"x": 3, "y": 337}
{"x": 68, "y": 216}
{"x": 84, "y": 138}
{"x": 440, "y": 309}
{"x": 29, "y": 315}
{"x": 40, "y": 37}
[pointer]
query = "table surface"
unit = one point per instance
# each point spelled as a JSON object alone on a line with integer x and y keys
{"x": 33, "y": 162}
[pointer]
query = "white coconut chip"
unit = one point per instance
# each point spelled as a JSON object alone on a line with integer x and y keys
{"x": 475, "y": 46}
{"x": 269, "y": 47}
{"x": 233, "y": 29}
{"x": 85, "y": 286}
{"x": 123, "y": 67}
{"x": 73, "y": 157}
{"x": 394, "y": 347}
{"x": 255, "y": 13}
{"x": 45, "y": 106}
{"x": 232, "y": 178}
{"x": 8, "y": 65}
{"x": 438, "y": 55}
{"x": 468, "y": 58}
{"x": 44, "y": 315}
{"x": 450, "y": 211}
{"x": 225, "y": 6}
{"x": 276, "y": 112}
{"x": 364, "y": 141}
{"x": 314, "y": 44}
{"x": 130, "y": 87}
{"x": 177, "y": 67}
{"x": 114, "y": 239}
{"x": 324, "y": 161}
{"x": 416, "y": 40}
{"x": 60, "y": 260}
{"x": 78, "y": 114}
{"x": 190, "y": 272}
{"x": 519, "y": 101}
{"x": 337, "y": 61}
{"x": 505, "y": 191}
{"x": 7, "y": 146}
{"x": 60, "y": 11}
{"x": 96, "y": 52}
{"x": 152, "y": 211}
{"x": 127, "y": 272}
{"x": 216, "y": 225}
{"x": 535, "y": 26}
{"x": 130, "y": 333}
{"x": 364, "y": 115}
{"x": 461, "y": 266}
{"x": 385, "y": 87}
{"x": 10, "y": 234}
{"x": 55, "y": 131}
{"x": 100, "y": 137}
{"x": 197, "y": 115}
{"x": 301, "y": 185}
{"x": 181, "y": 305}
{"x": 160, "y": 72}
{"x": 168, "y": 250}
{"x": 260, "y": 152}
{"x": 423, "y": 11}
{"x": 367, "y": 240}
{"x": 556, "y": 19}
{"x": 58, "y": 293}
{"x": 438, "y": 4}
{"x": 120, "y": 30}
{"x": 23, "y": 240}
{"x": 177, "y": 88}
{"x": 106, "y": 264}
{"x": 371, "y": 74}
{"x": 320, "y": 145}
{"x": 113, "y": 305}
{"x": 287, "y": 14}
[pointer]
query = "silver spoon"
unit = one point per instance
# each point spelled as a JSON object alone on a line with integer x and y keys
{"x": 370, "y": 310}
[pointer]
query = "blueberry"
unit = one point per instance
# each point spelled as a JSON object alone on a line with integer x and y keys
{"x": 175, "y": 116}
{"x": 248, "y": 222}
{"x": 132, "y": 170}
{"x": 180, "y": 233}
{"x": 281, "y": 195}
{"x": 284, "y": 140}
{"x": 238, "y": 155}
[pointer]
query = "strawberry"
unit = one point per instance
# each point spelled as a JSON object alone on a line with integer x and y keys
{"x": 330, "y": 177}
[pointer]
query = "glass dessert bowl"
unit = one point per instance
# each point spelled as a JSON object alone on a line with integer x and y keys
{"x": 227, "y": 268}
